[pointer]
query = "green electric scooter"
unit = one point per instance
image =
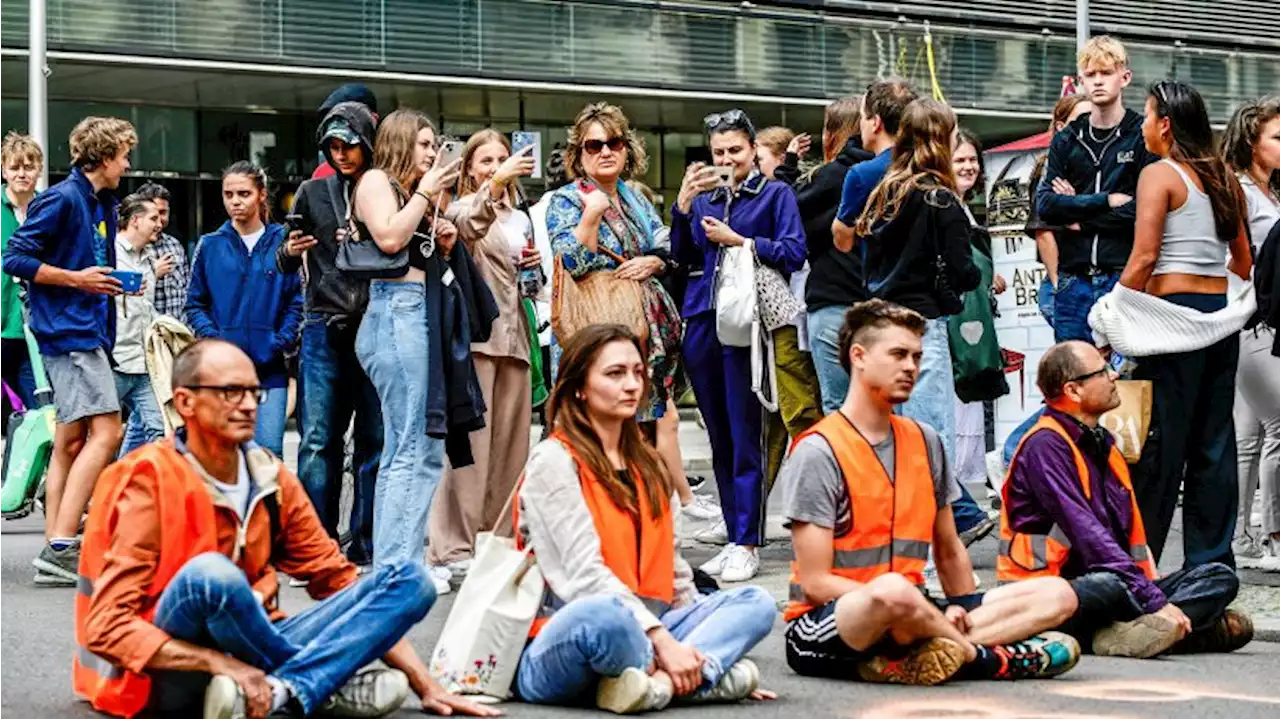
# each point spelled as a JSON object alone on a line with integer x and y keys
{"x": 28, "y": 445}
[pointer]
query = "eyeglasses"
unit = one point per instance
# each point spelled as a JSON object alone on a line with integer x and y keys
{"x": 233, "y": 394}
{"x": 593, "y": 147}
{"x": 730, "y": 119}
{"x": 1105, "y": 370}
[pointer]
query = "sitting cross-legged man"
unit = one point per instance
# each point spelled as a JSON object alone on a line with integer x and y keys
{"x": 867, "y": 496}
{"x": 1069, "y": 511}
{"x": 178, "y": 609}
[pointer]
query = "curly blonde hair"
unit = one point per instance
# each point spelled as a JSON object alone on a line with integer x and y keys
{"x": 615, "y": 124}
{"x": 21, "y": 149}
{"x": 96, "y": 140}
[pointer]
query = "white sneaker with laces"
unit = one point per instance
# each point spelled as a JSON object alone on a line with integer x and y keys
{"x": 458, "y": 569}
{"x": 374, "y": 692}
{"x": 737, "y": 684}
{"x": 742, "y": 565}
{"x": 702, "y": 507}
{"x": 715, "y": 565}
{"x": 717, "y": 533}
{"x": 1270, "y": 561}
{"x": 631, "y": 692}
{"x": 223, "y": 699}
{"x": 440, "y": 577}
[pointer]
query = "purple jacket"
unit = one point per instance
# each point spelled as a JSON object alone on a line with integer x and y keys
{"x": 1044, "y": 490}
{"x": 762, "y": 209}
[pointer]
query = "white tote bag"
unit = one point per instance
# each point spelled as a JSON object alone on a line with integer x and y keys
{"x": 735, "y": 295}
{"x": 480, "y": 645}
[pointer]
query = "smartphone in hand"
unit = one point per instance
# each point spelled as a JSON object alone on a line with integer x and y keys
{"x": 450, "y": 150}
{"x": 723, "y": 175}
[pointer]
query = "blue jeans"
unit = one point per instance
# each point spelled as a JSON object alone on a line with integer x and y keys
{"x": 598, "y": 636}
{"x": 1044, "y": 299}
{"x": 392, "y": 347}
{"x": 824, "y": 347}
{"x": 210, "y": 602}
{"x": 272, "y": 414}
{"x": 138, "y": 404}
{"x": 1202, "y": 592}
{"x": 1015, "y": 438}
{"x": 1072, "y": 300}
{"x": 333, "y": 387}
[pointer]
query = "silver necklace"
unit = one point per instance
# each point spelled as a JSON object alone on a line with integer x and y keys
{"x": 1110, "y": 134}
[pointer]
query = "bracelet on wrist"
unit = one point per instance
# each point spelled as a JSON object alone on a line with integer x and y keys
{"x": 423, "y": 195}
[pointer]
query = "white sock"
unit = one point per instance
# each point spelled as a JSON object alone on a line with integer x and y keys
{"x": 280, "y": 693}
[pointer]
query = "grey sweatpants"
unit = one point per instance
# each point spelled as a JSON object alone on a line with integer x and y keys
{"x": 1257, "y": 420}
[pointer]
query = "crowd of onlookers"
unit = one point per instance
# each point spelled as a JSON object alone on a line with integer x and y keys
{"x": 415, "y": 300}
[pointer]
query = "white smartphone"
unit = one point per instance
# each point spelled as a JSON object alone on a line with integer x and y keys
{"x": 723, "y": 175}
{"x": 450, "y": 150}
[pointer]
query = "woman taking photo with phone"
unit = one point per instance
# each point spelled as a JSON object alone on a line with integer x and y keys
{"x": 713, "y": 212}
{"x": 238, "y": 294}
{"x": 471, "y": 497}
{"x": 597, "y": 220}
{"x": 400, "y": 205}
{"x": 625, "y": 619}
{"x": 1251, "y": 147}
{"x": 1191, "y": 210}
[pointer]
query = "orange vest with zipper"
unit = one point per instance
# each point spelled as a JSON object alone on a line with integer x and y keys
{"x": 892, "y": 520}
{"x": 187, "y": 529}
{"x": 639, "y": 550}
{"x": 1026, "y": 556}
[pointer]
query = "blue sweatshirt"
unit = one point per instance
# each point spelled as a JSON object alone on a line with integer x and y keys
{"x": 62, "y": 230}
{"x": 763, "y": 210}
{"x": 245, "y": 299}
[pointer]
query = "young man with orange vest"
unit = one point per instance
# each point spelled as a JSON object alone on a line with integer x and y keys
{"x": 867, "y": 497}
{"x": 1069, "y": 511}
{"x": 178, "y": 578}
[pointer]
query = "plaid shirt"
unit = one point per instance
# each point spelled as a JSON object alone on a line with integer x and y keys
{"x": 171, "y": 290}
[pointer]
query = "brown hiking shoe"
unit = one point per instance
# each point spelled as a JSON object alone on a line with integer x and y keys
{"x": 930, "y": 662}
{"x": 1232, "y": 631}
{"x": 1142, "y": 638}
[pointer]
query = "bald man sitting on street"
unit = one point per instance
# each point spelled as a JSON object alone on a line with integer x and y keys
{"x": 178, "y": 602}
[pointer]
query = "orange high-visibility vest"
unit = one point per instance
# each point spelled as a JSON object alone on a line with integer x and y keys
{"x": 643, "y": 556}
{"x": 892, "y": 520}
{"x": 1025, "y": 556}
{"x": 187, "y": 529}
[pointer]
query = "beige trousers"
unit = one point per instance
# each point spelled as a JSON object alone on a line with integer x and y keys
{"x": 469, "y": 500}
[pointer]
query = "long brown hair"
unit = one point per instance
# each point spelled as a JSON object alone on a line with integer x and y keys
{"x": 1243, "y": 133}
{"x": 1194, "y": 146}
{"x": 921, "y": 160}
{"x": 394, "y": 146}
{"x": 567, "y": 414}
{"x": 467, "y": 185}
{"x": 840, "y": 121}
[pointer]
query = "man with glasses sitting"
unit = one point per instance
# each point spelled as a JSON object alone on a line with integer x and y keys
{"x": 179, "y": 593}
{"x": 1069, "y": 511}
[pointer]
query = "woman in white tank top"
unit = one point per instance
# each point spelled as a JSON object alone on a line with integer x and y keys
{"x": 1251, "y": 147}
{"x": 1190, "y": 210}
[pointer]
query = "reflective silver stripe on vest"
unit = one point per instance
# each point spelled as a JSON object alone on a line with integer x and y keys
{"x": 875, "y": 556}
{"x": 85, "y": 585}
{"x": 1039, "y": 547}
{"x": 1140, "y": 553}
{"x": 97, "y": 664}
{"x": 796, "y": 594}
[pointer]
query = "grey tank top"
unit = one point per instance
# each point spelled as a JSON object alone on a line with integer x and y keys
{"x": 1190, "y": 245}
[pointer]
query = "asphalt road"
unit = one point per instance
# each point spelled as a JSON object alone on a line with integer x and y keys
{"x": 37, "y": 642}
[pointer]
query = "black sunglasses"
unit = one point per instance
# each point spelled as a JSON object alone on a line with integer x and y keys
{"x": 729, "y": 120}
{"x": 231, "y": 393}
{"x": 593, "y": 147}
{"x": 1106, "y": 369}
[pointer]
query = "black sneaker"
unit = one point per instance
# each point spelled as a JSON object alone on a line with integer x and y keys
{"x": 63, "y": 564}
{"x": 1232, "y": 631}
{"x": 973, "y": 534}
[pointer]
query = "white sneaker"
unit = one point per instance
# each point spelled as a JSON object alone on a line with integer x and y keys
{"x": 1270, "y": 561}
{"x": 702, "y": 507}
{"x": 1248, "y": 552}
{"x": 458, "y": 570}
{"x": 631, "y": 692}
{"x": 742, "y": 565}
{"x": 440, "y": 576}
{"x": 374, "y": 692}
{"x": 715, "y": 565}
{"x": 737, "y": 684}
{"x": 223, "y": 699}
{"x": 717, "y": 533}
{"x": 296, "y": 582}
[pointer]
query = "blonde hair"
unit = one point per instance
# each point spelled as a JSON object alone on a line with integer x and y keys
{"x": 776, "y": 138}
{"x": 466, "y": 185}
{"x": 1103, "y": 52}
{"x": 394, "y": 146}
{"x": 94, "y": 140}
{"x": 615, "y": 124}
{"x": 921, "y": 160}
{"x": 21, "y": 149}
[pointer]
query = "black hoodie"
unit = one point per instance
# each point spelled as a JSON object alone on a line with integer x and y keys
{"x": 1105, "y": 237}
{"x": 321, "y": 208}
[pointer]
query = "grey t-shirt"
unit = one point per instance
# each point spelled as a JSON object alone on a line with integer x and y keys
{"x": 815, "y": 492}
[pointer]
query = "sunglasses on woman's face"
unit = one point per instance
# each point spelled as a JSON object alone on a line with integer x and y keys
{"x": 593, "y": 147}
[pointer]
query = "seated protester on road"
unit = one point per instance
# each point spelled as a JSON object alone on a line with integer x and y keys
{"x": 1056, "y": 521}
{"x": 621, "y": 616}
{"x": 867, "y": 495}
{"x": 178, "y": 578}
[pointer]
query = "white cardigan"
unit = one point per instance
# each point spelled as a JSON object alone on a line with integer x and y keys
{"x": 1137, "y": 324}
